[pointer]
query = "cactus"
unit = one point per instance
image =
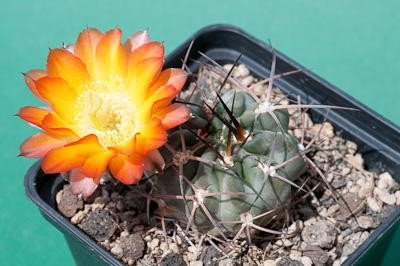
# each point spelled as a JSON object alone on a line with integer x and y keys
{"x": 233, "y": 164}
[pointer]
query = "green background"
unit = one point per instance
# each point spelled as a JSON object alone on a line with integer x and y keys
{"x": 353, "y": 44}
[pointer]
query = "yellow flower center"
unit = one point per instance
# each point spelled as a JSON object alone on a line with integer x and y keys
{"x": 106, "y": 111}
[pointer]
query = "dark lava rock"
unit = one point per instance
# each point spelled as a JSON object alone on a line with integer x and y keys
{"x": 172, "y": 259}
{"x": 318, "y": 256}
{"x": 132, "y": 246}
{"x": 287, "y": 261}
{"x": 99, "y": 225}
{"x": 133, "y": 201}
{"x": 349, "y": 204}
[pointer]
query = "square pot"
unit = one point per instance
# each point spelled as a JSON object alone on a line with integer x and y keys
{"x": 376, "y": 137}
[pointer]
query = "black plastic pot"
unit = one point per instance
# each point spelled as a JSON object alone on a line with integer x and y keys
{"x": 376, "y": 137}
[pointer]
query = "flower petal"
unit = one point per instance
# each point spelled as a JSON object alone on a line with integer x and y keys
{"x": 63, "y": 99}
{"x": 85, "y": 49}
{"x": 173, "y": 115}
{"x": 76, "y": 154}
{"x": 154, "y": 162}
{"x": 127, "y": 169}
{"x": 140, "y": 76}
{"x": 82, "y": 185}
{"x": 110, "y": 57}
{"x": 171, "y": 76}
{"x": 61, "y": 63}
{"x": 152, "y": 136}
{"x": 30, "y": 78}
{"x": 36, "y": 146}
{"x": 135, "y": 40}
{"x": 127, "y": 147}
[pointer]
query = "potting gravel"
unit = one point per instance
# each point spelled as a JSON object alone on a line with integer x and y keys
{"x": 325, "y": 232}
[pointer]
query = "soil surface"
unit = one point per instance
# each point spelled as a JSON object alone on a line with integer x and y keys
{"x": 319, "y": 230}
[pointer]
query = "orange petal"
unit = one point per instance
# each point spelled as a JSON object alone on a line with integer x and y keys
{"x": 148, "y": 50}
{"x": 85, "y": 49}
{"x": 97, "y": 163}
{"x": 171, "y": 76}
{"x": 61, "y": 63}
{"x": 36, "y": 146}
{"x": 135, "y": 40}
{"x": 173, "y": 115}
{"x": 62, "y": 97}
{"x": 127, "y": 169}
{"x": 33, "y": 115}
{"x": 159, "y": 99}
{"x": 127, "y": 147}
{"x": 110, "y": 57}
{"x": 30, "y": 77}
{"x": 82, "y": 185}
{"x": 74, "y": 155}
{"x": 140, "y": 76}
{"x": 154, "y": 162}
{"x": 152, "y": 136}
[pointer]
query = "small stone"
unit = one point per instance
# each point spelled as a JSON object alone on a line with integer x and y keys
{"x": 196, "y": 263}
{"x": 68, "y": 204}
{"x": 243, "y": 71}
{"x": 318, "y": 256}
{"x": 164, "y": 246}
{"x": 397, "y": 197}
{"x": 124, "y": 233}
{"x": 385, "y": 196}
{"x": 78, "y": 217}
{"x": 366, "y": 187}
{"x": 364, "y": 236}
{"x": 117, "y": 251}
{"x": 321, "y": 233}
{"x": 323, "y": 212}
{"x": 269, "y": 263}
{"x": 345, "y": 172}
{"x": 226, "y": 262}
{"x": 306, "y": 261}
{"x": 172, "y": 259}
{"x": 332, "y": 210}
{"x": 99, "y": 225}
{"x": 348, "y": 249}
{"x": 296, "y": 227}
{"x": 356, "y": 160}
{"x": 374, "y": 204}
{"x": 132, "y": 246}
{"x": 247, "y": 81}
{"x": 287, "y": 261}
{"x": 154, "y": 243}
{"x": 174, "y": 247}
{"x": 351, "y": 147}
{"x": 191, "y": 256}
{"x": 349, "y": 204}
{"x": 365, "y": 221}
{"x": 138, "y": 228}
{"x": 385, "y": 180}
{"x": 120, "y": 205}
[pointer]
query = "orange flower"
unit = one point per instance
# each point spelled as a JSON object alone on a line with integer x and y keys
{"x": 109, "y": 108}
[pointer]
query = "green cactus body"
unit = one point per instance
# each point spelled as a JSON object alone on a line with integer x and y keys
{"x": 245, "y": 174}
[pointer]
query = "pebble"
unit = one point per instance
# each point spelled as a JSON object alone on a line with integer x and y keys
{"x": 397, "y": 198}
{"x": 316, "y": 254}
{"x": 117, "y": 250}
{"x": 321, "y": 233}
{"x": 247, "y": 81}
{"x": 296, "y": 227}
{"x": 78, "y": 217}
{"x": 385, "y": 180}
{"x": 226, "y": 262}
{"x": 196, "y": 263}
{"x": 365, "y": 221}
{"x": 332, "y": 210}
{"x": 154, "y": 243}
{"x": 243, "y": 71}
{"x": 366, "y": 187}
{"x": 68, "y": 203}
{"x": 374, "y": 204}
{"x": 385, "y": 196}
{"x": 351, "y": 147}
{"x": 355, "y": 160}
{"x": 269, "y": 263}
